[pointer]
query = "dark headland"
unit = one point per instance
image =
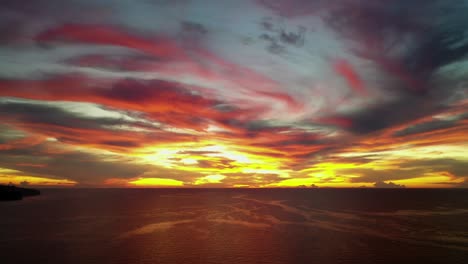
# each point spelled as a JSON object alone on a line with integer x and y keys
{"x": 12, "y": 193}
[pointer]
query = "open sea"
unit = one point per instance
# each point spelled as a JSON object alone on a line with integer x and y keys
{"x": 236, "y": 226}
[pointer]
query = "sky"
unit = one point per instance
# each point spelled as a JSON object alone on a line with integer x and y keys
{"x": 246, "y": 93}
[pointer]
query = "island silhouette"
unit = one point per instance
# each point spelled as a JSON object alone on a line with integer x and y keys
{"x": 12, "y": 193}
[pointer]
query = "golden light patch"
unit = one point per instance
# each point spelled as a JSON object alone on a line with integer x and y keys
{"x": 430, "y": 180}
{"x": 216, "y": 178}
{"x": 35, "y": 181}
{"x": 241, "y": 186}
{"x": 151, "y": 182}
{"x": 211, "y": 158}
{"x": 17, "y": 177}
{"x": 4, "y": 171}
{"x": 189, "y": 161}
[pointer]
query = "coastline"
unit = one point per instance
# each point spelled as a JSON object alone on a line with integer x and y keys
{"x": 13, "y": 193}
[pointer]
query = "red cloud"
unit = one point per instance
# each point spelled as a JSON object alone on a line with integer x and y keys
{"x": 177, "y": 61}
{"x": 393, "y": 67}
{"x": 96, "y": 34}
{"x": 161, "y": 100}
{"x": 285, "y": 142}
{"x": 347, "y": 71}
{"x": 167, "y": 102}
{"x": 336, "y": 120}
{"x": 288, "y": 100}
{"x": 25, "y": 142}
{"x": 109, "y": 139}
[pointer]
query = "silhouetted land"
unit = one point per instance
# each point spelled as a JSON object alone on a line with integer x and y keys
{"x": 12, "y": 193}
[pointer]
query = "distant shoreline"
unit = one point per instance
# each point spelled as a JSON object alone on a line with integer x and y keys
{"x": 13, "y": 193}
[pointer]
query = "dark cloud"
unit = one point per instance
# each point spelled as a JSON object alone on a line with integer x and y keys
{"x": 120, "y": 143}
{"x": 193, "y": 27}
{"x": 402, "y": 39}
{"x": 163, "y": 101}
{"x": 77, "y": 166}
{"x": 279, "y": 38}
{"x": 385, "y": 115}
{"x": 118, "y": 134}
{"x": 409, "y": 48}
{"x": 216, "y": 163}
{"x": 19, "y": 21}
{"x": 24, "y": 183}
{"x": 293, "y": 38}
{"x": 53, "y": 160}
{"x": 191, "y": 34}
{"x": 433, "y": 125}
{"x": 457, "y": 168}
{"x": 56, "y": 9}
{"x": 11, "y": 29}
{"x": 371, "y": 175}
{"x": 411, "y": 169}
{"x": 144, "y": 92}
{"x": 225, "y": 108}
{"x": 276, "y": 48}
{"x": 284, "y": 140}
{"x": 33, "y": 113}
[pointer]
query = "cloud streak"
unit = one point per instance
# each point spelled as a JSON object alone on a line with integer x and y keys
{"x": 340, "y": 94}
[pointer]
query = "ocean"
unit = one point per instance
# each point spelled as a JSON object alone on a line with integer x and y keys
{"x": 236, "y": 226}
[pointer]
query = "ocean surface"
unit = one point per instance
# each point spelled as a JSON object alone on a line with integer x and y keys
{"x": 236, "y": 226}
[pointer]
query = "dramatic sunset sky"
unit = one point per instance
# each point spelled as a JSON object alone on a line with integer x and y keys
{"x": 245, "y": 93}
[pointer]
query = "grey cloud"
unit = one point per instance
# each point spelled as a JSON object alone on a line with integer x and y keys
{"x": 53, "y": 115}
{"x": 75, "y": 128}
{"x": 120, "y": 143}
{"x": 410, "y": 169}
{"x": 409, "y": 42}
{"x": 24, "y": 183}
{"x": 85, "y": 168}
{"x": 193, "y": 28}
{"x": 218, "y": 163}
{"x": 225, "y": 108}
{"x": 370, "y": 175}
{"x": 429, "y": 126}
{"x": 425, "y": 127}
{"x": 78, "y": 166}
{"x": 191, "y": 32}
{"x": 293, "y": 38}
{"x": 393, "y": 113}
{"x": 293, "y": 8}
{"x": 458, "y": 168}
{"x": 279, "y": 38}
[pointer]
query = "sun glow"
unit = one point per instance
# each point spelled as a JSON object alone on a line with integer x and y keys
{"x": 156, "y": 182}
